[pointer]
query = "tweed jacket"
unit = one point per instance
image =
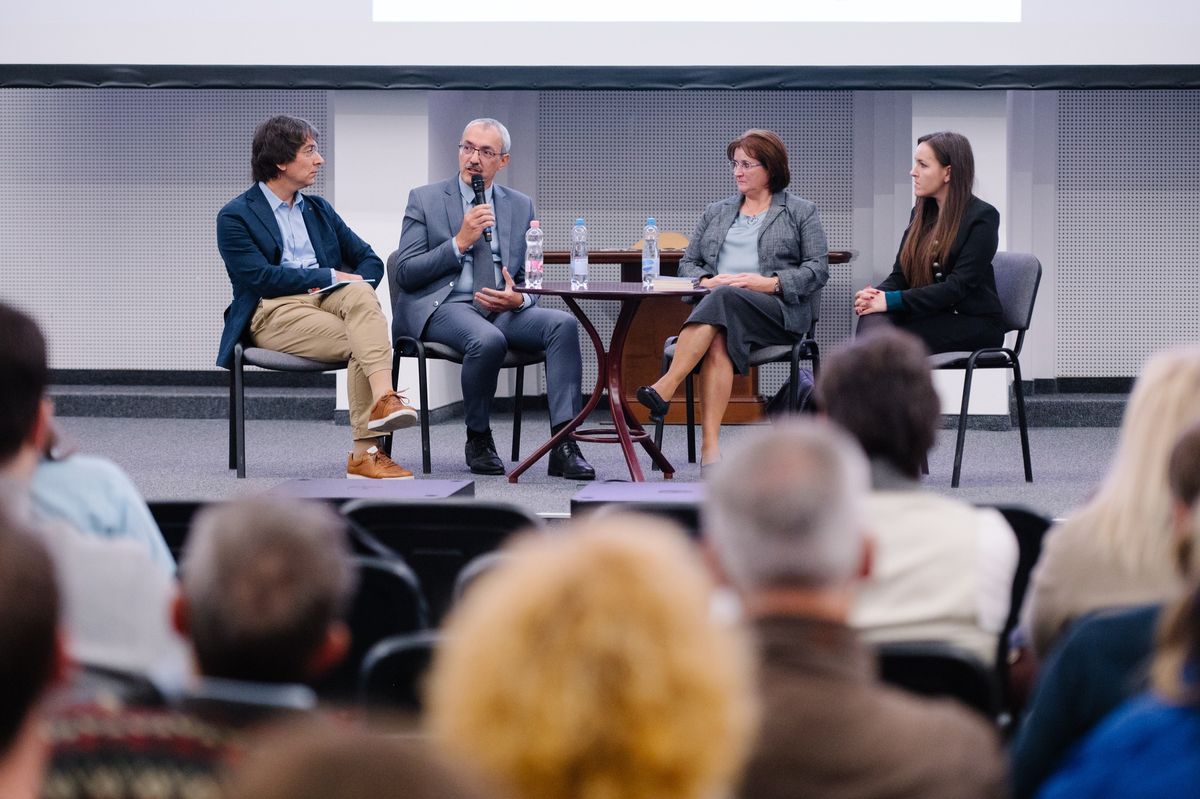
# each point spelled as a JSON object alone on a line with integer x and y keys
{"x": 791, "y": 246}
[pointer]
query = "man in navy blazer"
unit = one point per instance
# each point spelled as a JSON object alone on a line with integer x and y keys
{"x": 456, "y": 268}
{"x": 304, "y": 284}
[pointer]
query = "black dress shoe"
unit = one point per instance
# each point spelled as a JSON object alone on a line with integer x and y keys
{"x": 650, "y": 398}
{"x": 481, "y": 455}
{"x": 567, "y": 461}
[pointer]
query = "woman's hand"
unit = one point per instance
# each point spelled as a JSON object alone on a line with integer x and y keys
{"x": 743, "y": 280}
{"x": 869, "y": 300}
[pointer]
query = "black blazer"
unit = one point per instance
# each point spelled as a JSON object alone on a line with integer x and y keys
{"x": 968, "y": 285}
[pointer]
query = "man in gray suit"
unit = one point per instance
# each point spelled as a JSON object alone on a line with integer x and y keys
{"x": 457, "y": 265}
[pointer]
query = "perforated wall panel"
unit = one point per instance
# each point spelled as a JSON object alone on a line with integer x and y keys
{"x": 111, "y": 199}
{"x": 617, "y": 157}
{"x": 1128, "y": 248}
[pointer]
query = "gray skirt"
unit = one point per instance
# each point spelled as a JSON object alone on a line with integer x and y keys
{"x": 749, "y": 319}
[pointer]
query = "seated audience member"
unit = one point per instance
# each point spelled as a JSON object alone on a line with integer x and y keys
{"x": 94, "y": 495}
{"x": 116, "y": 600}
{"x": 1117, "y": 550}
{"x": 319, "y": 761}
{"x": 264, "y": 584}
{"x": 31, "y": 658}
{"x": 785, "y": 517}
{"x": 589, "y": 666}
{"x": 1102, "y": 660}
{"x": 941, "y": 569}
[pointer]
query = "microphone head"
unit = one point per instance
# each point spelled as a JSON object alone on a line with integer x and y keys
{"x": 477, "y": 183}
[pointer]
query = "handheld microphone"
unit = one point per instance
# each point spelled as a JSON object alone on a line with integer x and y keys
{"x": 477, "y": 186}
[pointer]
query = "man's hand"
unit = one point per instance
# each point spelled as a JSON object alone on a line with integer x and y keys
{"x": 344, "y": 276}
{"x": 742, "y": 280}
{"x": 474, "y": 221}
{"x": 495, "y": 300}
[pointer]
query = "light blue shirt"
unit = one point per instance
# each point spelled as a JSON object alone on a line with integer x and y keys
{"x": 465, "y": 284}
{"x": 94, "y": 496}
{"x": 298, "y": 251}
{"x": 739, "y": 251}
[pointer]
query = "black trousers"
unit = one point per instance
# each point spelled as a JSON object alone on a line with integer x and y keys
{"x": 943, "y": 332}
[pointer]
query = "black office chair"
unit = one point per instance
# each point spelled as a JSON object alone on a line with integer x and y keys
{"x": 436, "y": 538}
{"x": 424, "y": 351}
{"x": 174, "y": 520}
{"x": 1017, "y": 278}
{"x": 932, "y": 668}
{"x": 388, "y": 602}
{"x": 393, "y": 673}
{"x": 1030, "y": 528}
{"x": 267, "y": 359}
{"x": 805, "y": 349}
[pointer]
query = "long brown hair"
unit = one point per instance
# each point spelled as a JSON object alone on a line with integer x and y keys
{"x": 932, "y": 232}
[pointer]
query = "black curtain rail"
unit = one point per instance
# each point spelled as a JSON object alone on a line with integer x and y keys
{"x": 552, "y": 78}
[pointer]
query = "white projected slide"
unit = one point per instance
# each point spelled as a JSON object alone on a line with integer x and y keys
{"x": 689, "y": 11}
{"x": 600, "y": 33}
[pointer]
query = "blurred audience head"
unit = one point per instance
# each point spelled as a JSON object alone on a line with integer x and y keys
{"x": 879, "y": 388}
{"x": 264, "y": 583}
{"x": 1131, "y": 513}
{"x": 1179, "y": 633}
{"x": 784, "y": 509}
{"x": 31, "y": 657}
{"x": 588, "y": 665}
{"x": 24, "y": 375}
{"x": 319, "y": 760}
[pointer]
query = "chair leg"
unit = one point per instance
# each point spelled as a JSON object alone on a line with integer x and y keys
{"x": 239, "y": 411}
{"x": 516, "y": 441}
{"x": 689, "y": 389}
{"x": 387, "y": 441}
{"x": 1021, "y": 420}
{"x": 423, "y": 383}
{"x": 232, "y": 431}
{"x": 962, "y": 426}
{"x": 794, "y": 379}
{"x": 925, "y": 464}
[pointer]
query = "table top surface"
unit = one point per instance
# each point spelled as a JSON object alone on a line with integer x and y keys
{"x": 602, "y": 290}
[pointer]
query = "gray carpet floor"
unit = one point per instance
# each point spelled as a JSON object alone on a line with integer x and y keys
{"x": 186, "y": 459}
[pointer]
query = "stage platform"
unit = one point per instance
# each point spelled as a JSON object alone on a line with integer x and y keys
{"x": 186, "y": 459}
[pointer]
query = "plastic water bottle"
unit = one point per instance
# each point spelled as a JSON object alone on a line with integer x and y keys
{"x": 534, "y": 264}
{"x": 579, "y": 256}
{"x": 649, "y": 253}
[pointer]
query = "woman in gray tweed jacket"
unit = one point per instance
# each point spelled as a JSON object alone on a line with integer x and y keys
{"x": 761, "y": 254}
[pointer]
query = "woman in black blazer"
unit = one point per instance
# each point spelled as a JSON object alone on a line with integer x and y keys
{"x": 942, "y": 287}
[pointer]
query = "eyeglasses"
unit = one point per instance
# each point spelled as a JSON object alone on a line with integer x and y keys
{"x": 745, "y": 166}
{"x": 309, "y": 151}
{"x": 486, "y": 153}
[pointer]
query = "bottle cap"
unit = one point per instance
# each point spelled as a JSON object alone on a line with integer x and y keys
{"x": 579, "y": 221}
{"x": 650, "y": 221}
{"x": 534, "y": 223}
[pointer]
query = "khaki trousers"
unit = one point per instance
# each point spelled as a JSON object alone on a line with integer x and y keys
{"x": 345, "y": 324}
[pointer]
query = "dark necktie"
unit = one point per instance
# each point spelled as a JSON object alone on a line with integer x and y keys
{"x": 483, "y": 268}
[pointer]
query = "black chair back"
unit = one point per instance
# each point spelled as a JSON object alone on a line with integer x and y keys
{"x": 392, "y": 677}
{"x": 436, "y": 538}
{"x": 388, "y": 602}
{"x": 938, "y": 669}
{"x": 174, "y": 519}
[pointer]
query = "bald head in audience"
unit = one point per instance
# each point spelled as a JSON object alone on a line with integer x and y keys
{"x": 784, "y": 514}
{"x": 265, "y": 582}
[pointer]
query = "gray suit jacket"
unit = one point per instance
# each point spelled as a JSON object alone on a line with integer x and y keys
{"x": 427, "y": 266}
{"x": 791, "y": 245}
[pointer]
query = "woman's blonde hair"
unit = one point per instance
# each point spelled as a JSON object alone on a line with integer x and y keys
{"x": 1179, "y": 629}
{"x": 589, "y": 666}
{"x": 1130, "y": 514}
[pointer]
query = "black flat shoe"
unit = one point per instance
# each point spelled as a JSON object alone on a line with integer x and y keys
{"x": 568, "y": 462}
{"x": 650, "y": 398}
